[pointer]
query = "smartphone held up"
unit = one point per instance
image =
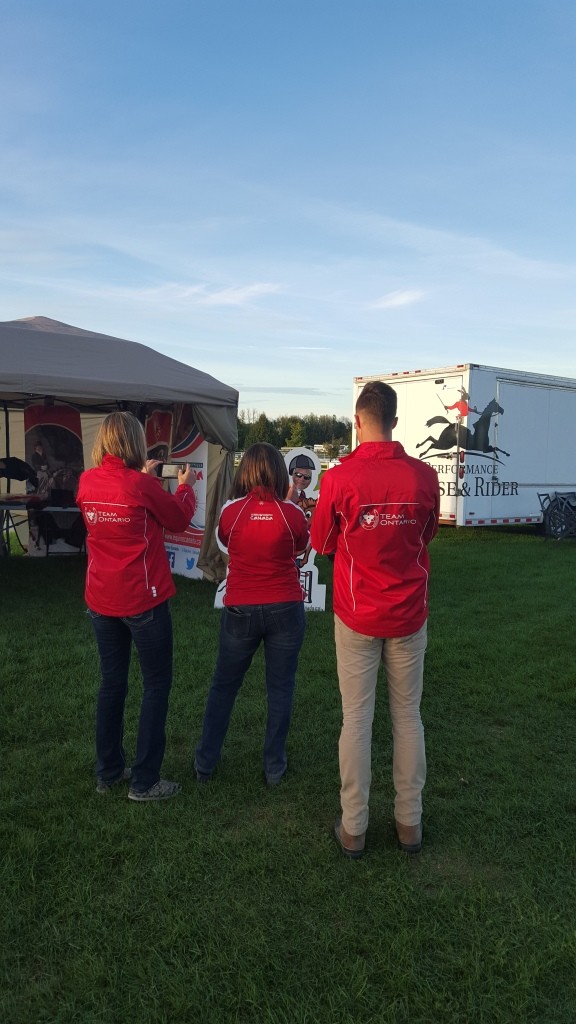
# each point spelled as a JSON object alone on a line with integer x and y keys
{"x": 170, "y": 470}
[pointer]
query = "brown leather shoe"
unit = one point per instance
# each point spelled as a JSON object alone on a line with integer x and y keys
{"x": 351, "y": 846}
{"x": 409, "y": 837}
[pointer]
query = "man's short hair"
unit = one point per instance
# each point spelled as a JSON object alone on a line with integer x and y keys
{"x": 378, "y": 401}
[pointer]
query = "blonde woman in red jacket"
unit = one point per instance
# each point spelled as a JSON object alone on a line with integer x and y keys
{"x": 128, "y": 591}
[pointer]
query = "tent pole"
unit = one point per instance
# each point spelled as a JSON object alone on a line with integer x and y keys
{"x": 5, "y": 516}
{"x": 7, "y": 433}
{"x": 7, "y": 429}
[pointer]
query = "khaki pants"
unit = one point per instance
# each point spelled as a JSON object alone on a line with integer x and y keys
{"x": 358, "y": 658}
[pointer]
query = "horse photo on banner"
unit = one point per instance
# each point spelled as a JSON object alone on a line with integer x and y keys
{"x": 158, "y": 430}
{"x": 54, "y": 450}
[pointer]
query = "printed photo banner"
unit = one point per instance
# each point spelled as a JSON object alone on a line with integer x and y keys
{"x": 304, "y": 470}
{"x": 188, "y": 445}
{"x": 53, "y": 449}
{"x": 174, "y": 437}
{"x": 158, "y": 430}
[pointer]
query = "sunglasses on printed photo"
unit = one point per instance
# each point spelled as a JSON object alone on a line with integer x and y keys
{"x": 302, "y": 476}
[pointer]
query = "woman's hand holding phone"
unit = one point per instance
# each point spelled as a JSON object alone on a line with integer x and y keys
{"x": 187, "y": 475}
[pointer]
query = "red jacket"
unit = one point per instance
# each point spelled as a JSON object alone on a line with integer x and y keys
{"x": 125, "y": 512}
{"x": 378, "y": 510}
{"x": 262, "y": 536}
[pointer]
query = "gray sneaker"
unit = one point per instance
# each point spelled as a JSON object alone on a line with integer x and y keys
{"x": 103, "y": 786}
{"x": 161, "y": 790}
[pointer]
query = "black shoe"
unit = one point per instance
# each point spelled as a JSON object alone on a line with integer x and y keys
{"x": 103, "y": 787}
{"x": 274, "y": 780}
{"x": 202, "y": 776}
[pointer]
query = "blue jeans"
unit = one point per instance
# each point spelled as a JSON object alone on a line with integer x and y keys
{"x": 152, "y": 635}
{"x": 281, "y": 628}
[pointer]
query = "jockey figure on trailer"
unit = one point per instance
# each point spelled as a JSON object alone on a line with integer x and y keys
{"x": 461, "y": 406}
{"x": 456, "y": 434}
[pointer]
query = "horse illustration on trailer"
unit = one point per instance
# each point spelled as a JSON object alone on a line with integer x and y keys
{"x": 457, "y": 435}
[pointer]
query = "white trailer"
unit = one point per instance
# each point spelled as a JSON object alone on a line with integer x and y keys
{"x": 497, "y": 438}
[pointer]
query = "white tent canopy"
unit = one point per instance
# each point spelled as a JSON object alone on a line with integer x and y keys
{"x": 96, "y": 373}
{"x": 40, "y": 357}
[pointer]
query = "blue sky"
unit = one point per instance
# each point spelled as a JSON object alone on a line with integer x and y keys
{"x": 289, "y": 193}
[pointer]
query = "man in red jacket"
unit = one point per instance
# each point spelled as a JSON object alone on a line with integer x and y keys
{"x": 377, "y": 512}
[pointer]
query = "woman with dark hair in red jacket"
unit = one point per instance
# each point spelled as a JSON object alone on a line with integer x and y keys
{"x": 128, "y": 591}
{"x": 262, "y": 531}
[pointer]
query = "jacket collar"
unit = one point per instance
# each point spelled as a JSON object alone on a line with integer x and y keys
{"x": 112, "y": 462}
{"x": 376, "y": 450}
{"x": 261, "y": 494}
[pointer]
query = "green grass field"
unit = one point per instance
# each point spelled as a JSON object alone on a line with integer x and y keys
{"x": 232, "y": 903}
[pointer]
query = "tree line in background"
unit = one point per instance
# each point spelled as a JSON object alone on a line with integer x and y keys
{"x": 294, "y": 431}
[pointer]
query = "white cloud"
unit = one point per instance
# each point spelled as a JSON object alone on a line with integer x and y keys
{"x": 393, "y": 300}
{"x": 469, "y": 253}
{"x": 168, "y": 295}
{"x": 238, "y": 296}
{"x": 203, "y": 294}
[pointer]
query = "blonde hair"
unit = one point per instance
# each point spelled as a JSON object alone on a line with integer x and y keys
{"x": 261, "y": 466}
{"x": 122, "y": 435}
